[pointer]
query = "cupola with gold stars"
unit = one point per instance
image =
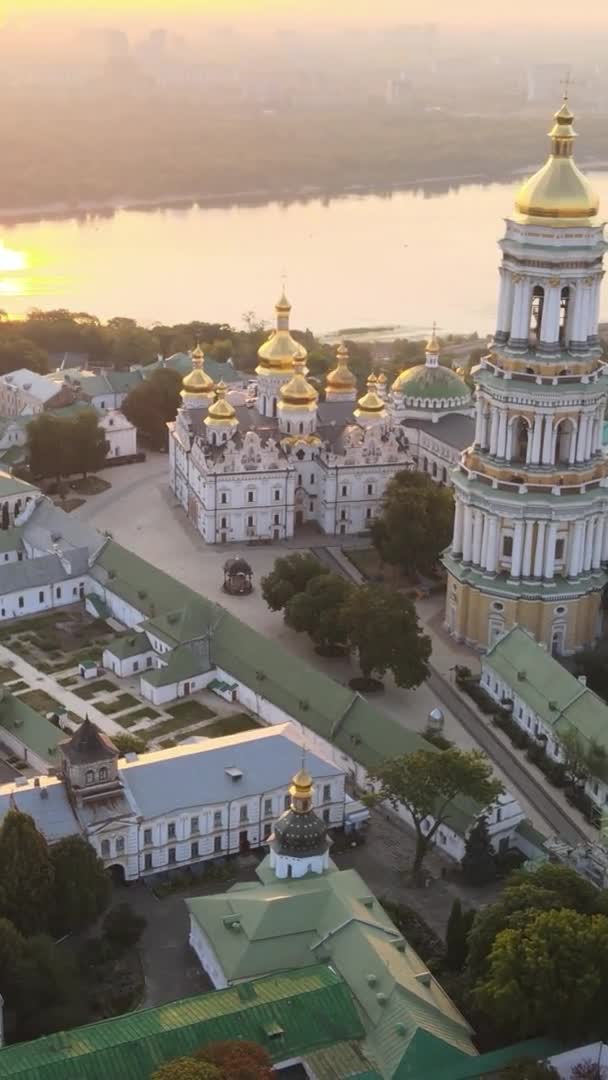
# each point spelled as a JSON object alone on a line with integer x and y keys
{"x": 299, "y": 843}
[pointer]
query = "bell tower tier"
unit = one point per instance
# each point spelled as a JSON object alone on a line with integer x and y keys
{"x": 531, "y": 519}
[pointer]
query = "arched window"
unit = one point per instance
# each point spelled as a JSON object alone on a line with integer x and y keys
{"x": 105, "y": 849}
{"x": 536, "y": 314}
{"x": 564, "y": 305}
{"x": 120, "y": 845}
{"x": 103, "y": 773}
{"x": 519, "y": 452}
{"x": 564, "y": 437}
{"x": 90, "y": 776}
{"x": 301, "y": 428}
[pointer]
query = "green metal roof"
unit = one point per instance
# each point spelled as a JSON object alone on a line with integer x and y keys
{"x": 10, "y": 539}
{"x": 99, "y": 605}
{"x": 181, "y": 664}
{"x": 135, "y": 644}
{"x": 554, "y": 694}
{"x": 344, "y": 718}
{"x": 499, "y": 585}
{"x": 10, "y": 485}
{"x": 313, "y": 1008}
{"x": 438, "y": 384}
{"x": 32, "y": 729}
{"x": 182, "y": 363}
{"x": 295, "y": 922}
{"x": 492, "y": 1063}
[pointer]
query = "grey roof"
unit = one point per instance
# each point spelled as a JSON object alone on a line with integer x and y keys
{"x": 336, "y": 412}
{"x": 52, "y": 812}
{"x": 456, "y": 430}
{"x": 46, "y": 570}
{"x": 88, "y": 745}
{"x": 48, "y": 524}
{"x": 172, "y": 780}
{"x": 38, "y": 386}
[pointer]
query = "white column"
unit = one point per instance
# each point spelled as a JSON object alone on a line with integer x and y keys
{"x": 596, "y": 561}
{"x": 595, "y": 306}
{"x": 477, "y": 536}
{"x": 505, "y": 302}
{"x": 484, "y": 426}
{"x": 520, "y": 325}
{"x": 458, "y": 528}
{"x": 494, "y": 431}
{"x": 467, "y": 537}
{"x": 577, "y": 303}
{"x": 539, "y": 552}
{"x": 605, "y": 544}
{"x": 576, "y": 548}
{"x": 536, "y": 439}
{"x": 518, "y": 536}
{"x": 581, "y": 441}
{"x": 549, "y": 568}
{"x": 549, "y": 330}
{"x": 589, "y": 443}
{"x": 492, "y": 548}
{"x": 502, "y": 434}
{"x": 509, "y": 446}
{"x": 588, "y": 546}
{"x": 526, "y": 566}
{"x": 479, "y": 424}
{"x": 547, "y": 440}
{"x": 572, "y": 448}
{"x": 586, "y": 313}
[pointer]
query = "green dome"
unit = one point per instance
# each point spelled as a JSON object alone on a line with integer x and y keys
{"x": 438, "y": 385}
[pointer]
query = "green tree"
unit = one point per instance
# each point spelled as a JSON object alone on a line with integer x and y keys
{"x": 414, "y": 524}
{"x": 478, "y": 865}
{"x": 152, "y": 404}
{"x": 81, "y": 885}
{"x": 128, "y": 743}
{"x": 575, "y": 756}
{"x": 529, "y": 1069}
{"x": 290, "y": 575}
{"x": 88, "y": 443}
{"x": 456, "y": 935}
{"x": 20, "y": 352}
{"x": 319, "y": 611}
{"x": 50, "y": 452}
{"x": 385, "y": 635}
{"x": 549, "y": 976}
{"x": 26, "y": 874}
{"x": 426, "y": 783}
{"x": 5, "y": 521}
{"x": 239, "y": 1060}
{"x": 123, "y": 927}
{"x": 187, "y": 1068}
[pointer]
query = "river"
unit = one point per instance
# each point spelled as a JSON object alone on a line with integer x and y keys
{"x": 403, "y": 259}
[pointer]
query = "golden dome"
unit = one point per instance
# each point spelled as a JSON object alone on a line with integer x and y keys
{"x": 558, "y": 191}
{"x": 302, "y": 780}
{"x": 381, "y": 379}
{"x": 298, "y": 392}
{"x": 221, "y": 412}
{"x": 197, "y": 382}
{"x": 281, "y": 350}
{"x": 370, "y": 404}
{"x": 341, "y": 378}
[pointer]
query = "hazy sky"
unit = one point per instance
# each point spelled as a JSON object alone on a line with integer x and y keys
{"x": 479, "y": 12}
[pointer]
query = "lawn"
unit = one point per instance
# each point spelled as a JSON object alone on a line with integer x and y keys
{"x": 41, "y": 701}
{"x": 7, "y": 674}
{"x": 226, "y": 725}
{"x": 369, "y": 563}
{"x": 19, "y": 685}
{"x": 176, "y": 723}
{"x": 145, "y": 713}
{"x": 168, "y": 743}
{"x": 98, "y": 686}
{"x": 124, "y": 701}
{"x": 68, "y": 680}
{"x": 188, "y": 712}
{"x": 90, "y": 485}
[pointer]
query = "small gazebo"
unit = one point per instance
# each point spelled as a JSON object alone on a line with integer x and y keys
{"x": 237, "y": 577}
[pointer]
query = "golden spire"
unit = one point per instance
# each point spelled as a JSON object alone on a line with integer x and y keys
{"x": 370, "y": 404}
{"x": 559, "y": 190}
{"x": 221, "y": 412}
{"x": 281, "y": 350}
{"x": 341, "y": 379}
{"x": 298, "y": 392}
{"x": 197, "y": 383}
{"x": 301, "y": 791}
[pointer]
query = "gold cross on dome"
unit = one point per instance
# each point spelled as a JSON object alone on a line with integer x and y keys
{"x": 567, "y": 82}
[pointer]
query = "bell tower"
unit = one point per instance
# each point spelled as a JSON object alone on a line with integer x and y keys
{"x": 530, "y": 532}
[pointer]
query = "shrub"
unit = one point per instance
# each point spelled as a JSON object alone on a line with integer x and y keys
{"x": 123, "y": 927}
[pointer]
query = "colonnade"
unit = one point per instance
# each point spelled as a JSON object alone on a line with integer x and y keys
{"x": 495, "y": 432}
{"x": 515, "y": 309}
{"x": 478, "y": 540}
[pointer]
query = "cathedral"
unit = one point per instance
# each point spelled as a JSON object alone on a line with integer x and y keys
{"x": 262, "y": 469}
{"x": 530, "y": 537}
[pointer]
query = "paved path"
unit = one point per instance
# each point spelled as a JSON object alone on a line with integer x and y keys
{"x": 38, "y": 681}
